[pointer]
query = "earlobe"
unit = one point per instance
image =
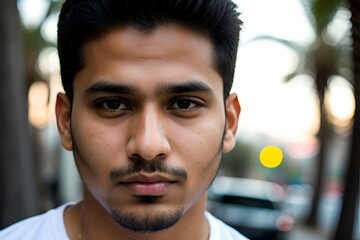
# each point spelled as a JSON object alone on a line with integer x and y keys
{"x": 233, "y": 110}
{"x": 63, "y": 116}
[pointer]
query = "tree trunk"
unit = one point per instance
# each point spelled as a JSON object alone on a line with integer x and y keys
{"x": 323, "y": 137}
{"x": 17, "y": 186}
{"x": 347, "y": 217}
{"x": 323, "y": 70}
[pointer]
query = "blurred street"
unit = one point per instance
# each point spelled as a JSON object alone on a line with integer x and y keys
{"x": 300, "y": 232}
{"x": 328, "y": 217}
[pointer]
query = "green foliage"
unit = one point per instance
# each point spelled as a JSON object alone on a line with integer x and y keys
{"x": 321, "y": 12}
{"x": 34, "y": 43}
{"x": 237, "y": 162}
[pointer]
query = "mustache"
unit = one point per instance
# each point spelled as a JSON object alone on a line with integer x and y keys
{"x": 117, "y": 174}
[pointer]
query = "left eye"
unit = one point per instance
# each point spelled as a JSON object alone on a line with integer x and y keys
{"x": 184, "y": 104}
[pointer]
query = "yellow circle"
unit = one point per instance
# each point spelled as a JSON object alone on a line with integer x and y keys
{"x": 271, "y": 156}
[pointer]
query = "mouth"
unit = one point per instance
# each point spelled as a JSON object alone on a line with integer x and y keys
{"x": 148, "y": 185}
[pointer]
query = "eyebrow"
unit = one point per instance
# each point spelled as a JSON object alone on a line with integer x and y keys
{"x": 105, "y": 86}
{"x": 166, "y": 88}
{"x": 186, "y": 86}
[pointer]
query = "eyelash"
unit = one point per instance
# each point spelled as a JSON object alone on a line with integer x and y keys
{"x": 189, "y": 100}
{"x": 103, "y": 104}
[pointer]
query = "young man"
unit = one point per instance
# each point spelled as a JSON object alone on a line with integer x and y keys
{"x": 147, "y": 113}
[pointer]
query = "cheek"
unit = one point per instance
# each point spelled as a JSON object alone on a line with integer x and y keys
{"x": 99, "y": 151}
{"x": 95, "y": 138}
{"x": 202, "y": 164}
{"x": 204, "y": 140}
{"x": 201, "y": 153}
{"x": 92, "y": 143}
{"x": 96, "y": 156}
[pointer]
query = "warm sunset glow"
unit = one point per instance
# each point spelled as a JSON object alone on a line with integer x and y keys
{"x": 340, "y": 101}
{"x": 38, "y": 104}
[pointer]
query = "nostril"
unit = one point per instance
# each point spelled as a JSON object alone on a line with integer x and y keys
{"x": 136, "y": 157}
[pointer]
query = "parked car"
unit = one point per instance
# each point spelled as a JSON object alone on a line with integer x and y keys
{"x": 253, "y": 207}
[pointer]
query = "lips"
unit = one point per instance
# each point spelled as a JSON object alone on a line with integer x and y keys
{"x": 148, "y": 185}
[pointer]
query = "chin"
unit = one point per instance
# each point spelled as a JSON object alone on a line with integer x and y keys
{"x": 149, "y": 220}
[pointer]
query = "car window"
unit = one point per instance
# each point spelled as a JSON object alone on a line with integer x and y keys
{"x": 249, "y": 202}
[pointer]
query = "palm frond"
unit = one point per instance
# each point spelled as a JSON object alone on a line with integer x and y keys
{"x": 55, "y": 6}
{"x": 324, "y": 12}
{"x": 321, "y": 12}
{"x": 307, "y": 7}
{"x": 292, "y": 45}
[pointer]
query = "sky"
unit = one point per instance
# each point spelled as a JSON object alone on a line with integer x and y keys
{"x": 288, "y": 111}
{"x": 268, "y": 105}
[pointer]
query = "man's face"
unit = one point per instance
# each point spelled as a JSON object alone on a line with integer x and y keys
{"x": 148, "y": 123}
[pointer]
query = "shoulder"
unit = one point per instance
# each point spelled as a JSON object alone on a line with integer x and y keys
{"x": 39, "y": 227}
{"x": 220, "y": 230}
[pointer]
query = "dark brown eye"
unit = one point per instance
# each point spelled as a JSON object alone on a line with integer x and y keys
{"x": 184, "y": 104}
{"x": 112, "y": 104}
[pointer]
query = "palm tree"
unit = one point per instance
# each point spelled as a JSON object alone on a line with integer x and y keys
{"x": 33, "y": 44}
{"x": 347, "y": 217}
{"x": 325, "y": 59}
{"x": 17, "y": 182}
{"x": 19, "y": 174}
{"x": 322, "y": 60}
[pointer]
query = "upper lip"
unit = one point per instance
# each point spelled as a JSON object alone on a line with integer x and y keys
{"x": 147, "y": 178}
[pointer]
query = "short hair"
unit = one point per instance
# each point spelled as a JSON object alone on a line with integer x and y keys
{"x": 83, "y": 20}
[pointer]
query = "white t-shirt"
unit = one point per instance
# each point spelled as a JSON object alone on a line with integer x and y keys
{"x": 219, "y": 230}
{"x": 50, "y": 226}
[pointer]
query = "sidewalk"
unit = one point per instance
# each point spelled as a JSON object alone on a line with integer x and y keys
{"x": 301, "y": 232}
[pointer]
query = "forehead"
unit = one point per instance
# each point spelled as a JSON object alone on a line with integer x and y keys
{"x": 167, "y": 52}
{"x": 167, "y": 38}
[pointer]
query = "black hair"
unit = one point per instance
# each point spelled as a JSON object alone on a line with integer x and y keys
{"x": 83, "y": 20}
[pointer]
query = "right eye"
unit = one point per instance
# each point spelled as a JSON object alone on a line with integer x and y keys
{"x": 112, "y": 105}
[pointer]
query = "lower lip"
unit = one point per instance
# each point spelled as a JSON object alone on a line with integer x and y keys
{"x": 149, "y": 189}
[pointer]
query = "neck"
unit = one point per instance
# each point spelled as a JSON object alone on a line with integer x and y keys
{"x": 94, "y": 222}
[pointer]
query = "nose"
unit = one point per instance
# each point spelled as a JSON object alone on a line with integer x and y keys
{"x": 148, "y": 140}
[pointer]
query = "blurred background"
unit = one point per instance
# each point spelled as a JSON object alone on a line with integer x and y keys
{"x": 296, "y": 81}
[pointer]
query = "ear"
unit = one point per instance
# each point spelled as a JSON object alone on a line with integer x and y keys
{"x": 63, "y": 116}
{"x": 232, "y": 109}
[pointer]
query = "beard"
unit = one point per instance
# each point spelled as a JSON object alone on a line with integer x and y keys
{"x": 150, "y": 219}
{"x": 144, "y": 222}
